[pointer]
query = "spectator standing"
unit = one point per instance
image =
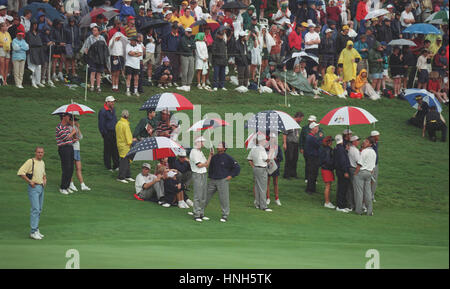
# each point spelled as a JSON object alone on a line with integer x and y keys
{"x": 107, "y": 126}
{"x": 58, "y": 36}
{"x": 33, "y": 172}
{"x": 376, "y": 60}
{"x": 242, "y": 59}
{"x": 375, "y": 137}
{"x": 222, "y": 169}
{"x": 199, "y": 165}
{"x": 117, "y": 50}
{"x": 348, "y": 59}
{"x": 354, "y": 156}
{"x": 186, "y": 49}
{"x": 275, "y": 155}
{"x": 362, "y": 178}
{"x": 19, "y": 55}
{"x": 124, "y": 141}
{"x": 291, "y": 148}
{"x": 73, "y": 46}
{"x": 65, "y": 136}
{"x": 341, "y": 165}
{"x": 97, "y": 54}
{"x": 312, "y": 145}
{"x": 76, "y": 155}
{"x": 201, "y": 60}
{"x": 5, "y": 50}
{"x": 132, "y": 64}
{"x": 326, "y": 168}
{"x": 219, "y": 60}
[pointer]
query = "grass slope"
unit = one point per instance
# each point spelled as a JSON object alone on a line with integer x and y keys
{"x": 111, "y": 229}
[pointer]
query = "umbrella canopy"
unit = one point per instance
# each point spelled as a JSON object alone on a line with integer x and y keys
{"x": 234, "y": 5}
{"x": 401, "y": 42}
{"x": 73, "y": 108}
{"x": 250, "y": 142}
{"x": 297, "y": 57}
{"x": 211, "y": 23}
{"x": 208, "y": 124}
{"x": 376, "y": 13}
{"x": 108, "y": 12}
{"x": 49, "y": 10}
{"x": 348, "y": 115}
{"x": 422, "y": 28}
{"x": 428, "y": 97}
{"x": 271, "y": 121}
{"x": 167, "y": 101}
{"x": 154, "y": 23}
{"x": 440, "y": 17}
{"x": 155, "y": 148}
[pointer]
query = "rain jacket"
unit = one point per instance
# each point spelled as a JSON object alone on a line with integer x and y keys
{"x": 123, "y": 136}
{"x": 330, "y": 84}
{"x": 360, "y": 81}
{"x": 361, "y": 11}
{"x": 347, "y": 59}
{"x": 374, "y": 65}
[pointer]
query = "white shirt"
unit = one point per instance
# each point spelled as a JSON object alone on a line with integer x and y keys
{"x": 354, "y": 156}
{"x": 26, "y": 23}
{"x": 258, "y": 156}
{"x": 155, "y": 4}
{"x": 116, "y": 48}
{"x": 404, "y": 16}
{"x": 282, "y": 20}
{"x": 368, "y": 159}
{"x": 150, "y": 47}
{"x": 133, "y": 61}
{"x": 311, "y": 36}
{"x": 142, "y": 180}
{"x": 198, "y": 13}
{"x": 196, "y": 156}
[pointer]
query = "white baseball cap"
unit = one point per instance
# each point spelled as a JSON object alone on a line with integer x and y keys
{"x": 313, "y": 125}
{"x": 243, "y": 33}
{"x": 171, "y": 174}
{"x": 338, "y": 138}
{"x": 146, "y": 165}
{"x": 389, "y": 6}
{"x": 312, "y": 118}
{"x": 200, "y": 139}
{"x": 354, "y": 137}
{"x": 328, "y": 30}
{"x": 374, "y": 133}
{"x": 182, "y": 154}
{"x": 347, "y": 131}
{"x": 189, "y": 29}
{"x": 110, "y": 98}
{"x": 3, "y": 7}
{"x": 93, "y": 25}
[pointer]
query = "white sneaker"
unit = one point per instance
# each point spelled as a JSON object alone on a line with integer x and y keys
{"x": 170, "y": 84}
{"x": 136, "y": 94}
{"x": 268, "y": 201}
{"x": 301, "y": 93}
{"x": 60, "y": 76}
{"x": 223, "y": 220}
{"x": 341, "y": 210}
{"x": 54, "y": 77}
{"x": 224, "y": 89}
{"x": 130, "y": 179}
{"x": 175, "y": 84}
{"x": 123, "y": 181}
{"x": 329, "y": 205}
{"x": 166, "y": 205}
{"x": 64, "y": 192}
{"x": 128, "y": 93}
{"x": 41, "y": 84}
{"x": 215, "y": 88}
{"x": 35, "y": 236}
{"x": 187, "y": 88}
{"x": 84, "y": 187}
{"x": 180, "y": 87}
{"x": 198, "y": 220}
{"x": 19, "y": 86}
{"x": 181, "y": 205}
{"x": 70, "y": 191}
{"x": 73, "y": 188}
{"x": 199, "y": 86}
{"x": 39, "y": 233}
{"x": 254, "y": 203}
{"x": 189, "y": 202}
{"x": 306, "y": 181}
{"x": 33, "y": 84}
{"x": 278, "y": 202}
{"x": 190, "y": 213}
{"x": 50, "y": 83}
{"x": 204, "y": 218}
{"x": 267, "y": 210}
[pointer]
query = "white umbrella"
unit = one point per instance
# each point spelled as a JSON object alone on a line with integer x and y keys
{"x": 401, "y": 42}
{"x": 376, "y": 13}
{"x": 348, "y": 115}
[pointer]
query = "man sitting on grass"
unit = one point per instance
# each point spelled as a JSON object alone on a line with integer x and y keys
{"x": 148, "y": 186}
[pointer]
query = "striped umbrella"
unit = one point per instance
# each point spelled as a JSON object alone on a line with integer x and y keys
{"x": 155, "y": 148}
{"x": 428, "y": 97}
{"x": 167, "y": 101}
{"x": 73, "y": 108}
{"x": 348, "y": 115}
{"x": 207, "y": 124}
{"x": 272, "y": 120}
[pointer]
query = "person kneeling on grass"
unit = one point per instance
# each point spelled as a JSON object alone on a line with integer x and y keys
{"x": 148, "y": 186}
{"x": 163, "y": 74}
{"x": 173, "y": 191}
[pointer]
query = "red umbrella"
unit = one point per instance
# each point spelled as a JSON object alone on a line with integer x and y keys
{"x": 348, "y": 115}
{"x": 167, "y": 101}
{"x": 207, "y": 124}
{"x": 108, "y": 12}
{"x": 73, "y": 108}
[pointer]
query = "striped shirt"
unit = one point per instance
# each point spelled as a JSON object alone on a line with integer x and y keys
{"x": 62, "y": 133}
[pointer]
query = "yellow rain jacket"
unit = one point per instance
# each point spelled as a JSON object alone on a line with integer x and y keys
{"x": 360, "y": 81}
{"x": 330, "y": 84}
{"x": 123, "y": 136}
{"x": 347, "y": 58}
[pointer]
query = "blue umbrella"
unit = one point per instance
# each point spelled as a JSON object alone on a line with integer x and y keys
{"x": 428, "y": 97}
{"x": 50, "y": 11}
{"x": 422, "y": 28}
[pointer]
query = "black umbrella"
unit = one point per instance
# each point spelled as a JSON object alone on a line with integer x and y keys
{"x": 154, "y": 23}
{"x": 234, "y": 5}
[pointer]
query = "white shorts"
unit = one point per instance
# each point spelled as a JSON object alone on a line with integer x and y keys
{"x": 5, "y": 54}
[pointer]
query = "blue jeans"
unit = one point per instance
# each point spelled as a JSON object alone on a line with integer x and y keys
{"x": 219, "y": 76}
{"x": 36, "y": 196}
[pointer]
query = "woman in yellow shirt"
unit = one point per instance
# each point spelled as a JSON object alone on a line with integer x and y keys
{"x": 5, "y": 49}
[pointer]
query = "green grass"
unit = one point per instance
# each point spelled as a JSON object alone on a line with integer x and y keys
{"x": 111, "y": 229}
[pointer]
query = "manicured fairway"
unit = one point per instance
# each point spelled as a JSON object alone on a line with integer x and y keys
{"x": 110, "y": 229}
